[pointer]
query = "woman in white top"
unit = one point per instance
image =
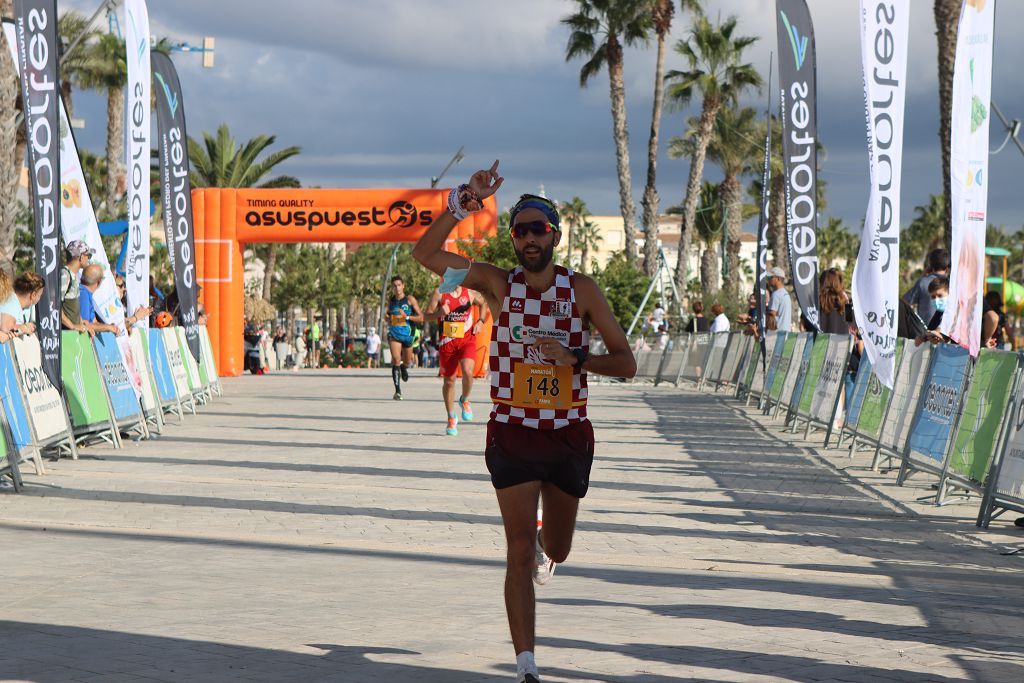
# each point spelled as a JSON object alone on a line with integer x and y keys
{"x": 721, "y": 322}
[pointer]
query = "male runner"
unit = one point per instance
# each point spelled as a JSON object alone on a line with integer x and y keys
{"x": 402, "y": 310}
{"x": 457, "y": 347}
{"x": 540, "y": 445}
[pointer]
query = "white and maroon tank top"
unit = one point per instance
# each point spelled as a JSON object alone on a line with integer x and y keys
{"x": 526, "y": 389}
{"x": 458, "y": 324}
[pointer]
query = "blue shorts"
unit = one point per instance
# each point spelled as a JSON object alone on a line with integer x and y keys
{"x": 404, "y": 339}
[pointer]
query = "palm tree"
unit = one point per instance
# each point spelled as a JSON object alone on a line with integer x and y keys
{"x": 220, "y": 162}
{"x": 70, "y": 26}
{"x": 103, "y": 67}
{"x": 836, "y": 244}
{"x": 708, "y": 223}
{"x": 734, "y": 147}
{"x": 589, "y": 238}
{"x": 574, "y": 213}
{"x": 922, "y": 235}
{"x": 12, "y": 148}
{"x": 947, "y": 18}
{"x": 600, "y": 30}
{"x": 716, "y": 71}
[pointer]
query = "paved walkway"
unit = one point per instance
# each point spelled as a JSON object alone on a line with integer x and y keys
{"x": 305, "y": 528}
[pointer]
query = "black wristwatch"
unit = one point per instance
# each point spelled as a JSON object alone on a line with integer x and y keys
{"x": 581, "y": 356}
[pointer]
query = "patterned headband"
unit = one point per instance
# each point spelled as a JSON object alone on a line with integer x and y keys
{"x": 542, "y": 204}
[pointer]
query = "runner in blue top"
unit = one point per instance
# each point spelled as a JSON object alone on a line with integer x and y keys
{"x": 402, "y": 310}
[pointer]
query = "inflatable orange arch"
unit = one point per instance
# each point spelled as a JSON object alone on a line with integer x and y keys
{"x": 226, "y": 219}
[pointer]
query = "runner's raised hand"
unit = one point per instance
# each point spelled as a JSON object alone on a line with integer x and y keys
{"x": 486, "y": 183}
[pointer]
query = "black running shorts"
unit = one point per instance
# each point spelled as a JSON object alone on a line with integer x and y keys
{"x": 563, "y": 457}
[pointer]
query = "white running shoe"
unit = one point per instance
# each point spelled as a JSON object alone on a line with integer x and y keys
{"x": 544, "y": 566}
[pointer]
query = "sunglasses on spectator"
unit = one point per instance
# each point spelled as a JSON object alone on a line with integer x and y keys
{"x": 539, "y": 228}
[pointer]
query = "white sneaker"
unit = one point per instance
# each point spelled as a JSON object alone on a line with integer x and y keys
{"x": 544, "y": 566}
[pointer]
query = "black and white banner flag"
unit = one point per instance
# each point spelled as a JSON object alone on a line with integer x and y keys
{"x": 176, "y": 193}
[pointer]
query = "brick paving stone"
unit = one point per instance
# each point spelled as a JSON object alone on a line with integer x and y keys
{"x": 306, "y": 527}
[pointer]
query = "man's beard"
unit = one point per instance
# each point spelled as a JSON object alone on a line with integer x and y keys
{"x": 542, "y": 259}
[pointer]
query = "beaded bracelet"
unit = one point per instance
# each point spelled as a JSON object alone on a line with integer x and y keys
{"x": 462, "y": 201}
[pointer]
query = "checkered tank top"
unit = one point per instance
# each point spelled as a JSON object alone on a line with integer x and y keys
{"x": 526, "y": 314}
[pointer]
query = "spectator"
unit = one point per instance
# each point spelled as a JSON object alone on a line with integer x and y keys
{"x": 314, "y": 344}
{"x": 698, "y": 323}
{"x": 995, "y": 331}
{"x": 28, "y": 290}
{"x": 780, "y": 302}
{"x": 721, "y": 322}
{"x": 373, "y": 347}
{"x": 300, "y": 351}
{"x": 908, "y": 323}
{"x": 833, "y": 300}
{"x": 280, "y": 347}
{"x": 657, "y": 320}
{"x": 77, "y": 255}
{"x": 938, "y": 289}
{"x": 918, "y": 296}
{"x": 140, "y": 313}
{"x": 92, "y": 276}
{"x": 10, "y": 307}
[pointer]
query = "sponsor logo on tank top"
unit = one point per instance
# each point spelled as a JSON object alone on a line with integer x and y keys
{"x": 561, "y": 310}
{"x": 528, "y": 335}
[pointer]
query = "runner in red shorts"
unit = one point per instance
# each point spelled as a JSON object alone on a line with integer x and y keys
{"x": 457, "y": 347}
{"x": 540, "y": 444}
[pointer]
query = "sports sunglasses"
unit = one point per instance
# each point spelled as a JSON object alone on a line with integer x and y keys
{"x": 539, "y": 228}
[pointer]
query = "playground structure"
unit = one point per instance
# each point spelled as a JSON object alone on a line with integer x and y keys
{"x": 226, "y": 219}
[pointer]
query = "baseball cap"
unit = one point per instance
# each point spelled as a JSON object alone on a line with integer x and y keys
{"x": 77, "y": 248}
{"x": 777, "y": 272}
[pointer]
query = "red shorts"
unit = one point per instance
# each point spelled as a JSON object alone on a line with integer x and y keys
{"x": 452, "y": 352}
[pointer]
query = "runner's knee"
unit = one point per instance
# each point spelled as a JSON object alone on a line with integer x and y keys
{"x": 521, "y": 551}
{"x": 557, "y": 549}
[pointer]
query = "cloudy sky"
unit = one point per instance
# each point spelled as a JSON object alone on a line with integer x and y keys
{"x": 382, "y": 93}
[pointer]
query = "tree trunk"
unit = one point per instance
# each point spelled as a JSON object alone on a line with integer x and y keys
{"x": 584, "y": 257}
{"x": 650, "y": 198}
{"x": 10, "y": 162}
{"x": 621, "y": 134}
{"x": 777, "y": 223}
{"x": 709, "y": 272}
{"x": 707, "y": 123}
{"x": 947, "y": 16}
{"x": 115, "y": 149}
{"x": 65, "y": 95}
{"x": 269, "y": 270}
{"x": 568, "y": 243}
{"x": 732, "y": 198}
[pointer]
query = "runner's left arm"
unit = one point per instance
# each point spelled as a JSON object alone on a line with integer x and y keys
{"x": 418, "y": 314}
{"x": 434, "y": 309}
{"x": 619, "y": 361}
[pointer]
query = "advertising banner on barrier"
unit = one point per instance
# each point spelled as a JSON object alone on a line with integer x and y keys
{"x": 830, "y": 379}
{"x": 860, "y": 389}
{"x": 984, "y": 405}
{"x": 968, "y": 171}
{"x": 177, "y": 363}
{"x": 774, "y": 360}
{"x": 790, "y": 352}
{"x": 120, "y": 387}
{"x": 176, "y": 193}
{"x": 208, "y": 360}
{"x": 160, "y": 362}
{"x": 939, "y": 402}
{"x": 814, "y": 364}
{"x": 913, "y": 367}
{"x": 799, "y": 104}
{"x": 1011, "y": 468}
{"x": 876, "y": 399}
{"x": 191, "y": 371}
{"x": 86, "y": 391}
{"x": 136, "y": 262}
{"x": 801, "y": 371}
{"x": 36, "y": 22}
{"x": 45, "y": 406}
{"x": 148, "y": 396}
{"x": 14, "y": 405}
{"x": 885, "y": 33}
{"x": 790, "y": 382}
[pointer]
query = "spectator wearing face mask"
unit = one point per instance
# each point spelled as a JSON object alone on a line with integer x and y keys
{"x": 938, "y": 290}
